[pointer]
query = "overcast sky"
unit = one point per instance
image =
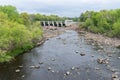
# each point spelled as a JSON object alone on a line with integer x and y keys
{"x": 69, "y": 8}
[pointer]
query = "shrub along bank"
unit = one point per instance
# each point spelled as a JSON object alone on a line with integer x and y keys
{"x": 17, "y": 33}
{"x": 105, "y": 22}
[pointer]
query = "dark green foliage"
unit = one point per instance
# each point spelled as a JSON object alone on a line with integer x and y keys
{"x": 104, "y": 22}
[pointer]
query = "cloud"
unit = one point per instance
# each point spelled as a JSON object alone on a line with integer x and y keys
{"x": 69, "y": 8}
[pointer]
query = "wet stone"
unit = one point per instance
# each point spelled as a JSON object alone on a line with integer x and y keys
{"x": 82, "y": 54}
{"x": 40, "y": 62}
{"x": 37, "y": 66}
{"x": 52, "y": 71}
{"x": 76, "y": 51}
{"x": 20, "y": 66}
{"x": 114, "y": 76}
{"x": 49, "y": 68}
{"x": 102, "y": 61}
{"x": 118, "y": 57}
{"x": 59, "y": 38}
{"x": 113, "y": 70}
{"x": 109, "y": 55}
{"x": 67, "y": 73}
{"x": 17, "y": 70}
{"x": 32, "y": 66}
{"x": 92, "y": 55}
{"x": 97, "y": 68}
{"x": 23, "y": 76}
{"x": 73, "y": 68}
{"x": 53, "y": 59}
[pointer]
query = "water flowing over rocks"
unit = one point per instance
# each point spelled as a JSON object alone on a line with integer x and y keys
{"x": 69, "y": 56}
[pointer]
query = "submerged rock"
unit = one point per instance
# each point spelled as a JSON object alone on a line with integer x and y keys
{"x": 73, "y": 68}
{"x": 82, "y": 54}
{"x": 53, "y": 59}
{"x": 76, "y": 51}
{"x": 23, "y": 76}
{"x": 92, "y": 55}
{"x": 97, "y": 68}
{"x": 40, "y": 62}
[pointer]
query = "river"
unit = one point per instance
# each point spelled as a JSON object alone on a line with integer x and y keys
{"x": 59, "y": 59}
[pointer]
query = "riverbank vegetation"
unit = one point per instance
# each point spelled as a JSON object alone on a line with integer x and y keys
{"x": 105, "y": 22}
{"x": 18, "y": 33}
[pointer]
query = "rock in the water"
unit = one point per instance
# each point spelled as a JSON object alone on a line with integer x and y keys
{"x": 76, "y": 51}
{"x": 92, "y": 56}
{"x": 118, "y": 46}
{"x": 103, "y": 61}
{"x": 73, "y": 68}
{"x": 37, "y": 66}
{"x": 67, "y": 73}
{"x": 32, "y": 66}
{"x": 53, "y": 59}
{"x": 100, "y": 60}
{"x": 18, "y": 70}
{"x": 114, "y": 76}
{"x": 113, "y": 70}
{"x": 20, "y": 66}
{"x": 40, "y": 62}
{"x": 53, "y": 71}
{"x": 97, "y": 68}
{"x": 49, "y": 68}
{"x": 23, "y": 76}
{"x": 59, "y": 38}
{"x": 118, "y": 57}
{"x": 82, "y": 54}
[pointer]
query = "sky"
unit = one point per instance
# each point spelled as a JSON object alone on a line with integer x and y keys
{"x": 68, "y": 8}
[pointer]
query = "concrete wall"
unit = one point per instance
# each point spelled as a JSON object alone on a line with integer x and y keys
{"x": 53, "y": 23}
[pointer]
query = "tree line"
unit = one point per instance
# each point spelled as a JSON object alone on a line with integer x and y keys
{"x": 105, "y": 22}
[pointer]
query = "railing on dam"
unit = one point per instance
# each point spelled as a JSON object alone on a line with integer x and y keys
{"x": 53, "y": 23}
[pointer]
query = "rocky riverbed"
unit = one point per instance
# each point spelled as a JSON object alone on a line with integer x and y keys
{"x": 50, "y": 31}
{"x": 103, "y": 39}
{"x": 68, "y": 56}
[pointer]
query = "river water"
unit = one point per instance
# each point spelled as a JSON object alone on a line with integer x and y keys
{"x": 59, "y": 59}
